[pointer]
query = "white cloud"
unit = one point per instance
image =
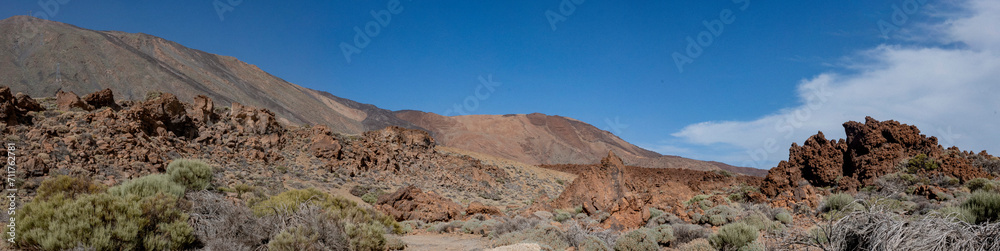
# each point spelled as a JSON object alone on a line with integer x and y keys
{"x": 948, "y": 93}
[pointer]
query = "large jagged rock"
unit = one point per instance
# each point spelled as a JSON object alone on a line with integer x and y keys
{"x": 411, "y": 203}
{"x": 68, "y": 100}
{"x": 254, "y": 120}
{"x": 871, "y": 150}
{"x": 101, "y": 99}
{"x": 478, "y": 208}
{"x": 13, "y": 109}
{"x": 203, "y": 110}
{"x": 323, "y": 144}
{"x": 607, "y": 189}
{"x": 162, "y": 116}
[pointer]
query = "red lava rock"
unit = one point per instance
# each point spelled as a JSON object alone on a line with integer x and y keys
{"x": 100, "y": 99}
{"x": 69, "y": 100}
{"x": 478, "y": 208}
{"x": 161, "y": 116}
{"x": 411, "y": 203}
{"x": 324, "y": 145}
{"x": 203, "y": 110}
{"x": 872, "y": 149}
{"x": 14, "y": 109}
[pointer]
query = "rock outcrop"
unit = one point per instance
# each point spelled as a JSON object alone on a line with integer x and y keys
{"x": 412, "y": 203}
{"x": 871, "y": 150}
{"x": 101, "y": 99}
{"x": 627, "y": 192}
{"x": 14, "y": 108}
{"x": 68, "y": 100}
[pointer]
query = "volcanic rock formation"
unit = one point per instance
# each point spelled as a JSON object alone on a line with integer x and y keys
{"x": 871, "y": 150}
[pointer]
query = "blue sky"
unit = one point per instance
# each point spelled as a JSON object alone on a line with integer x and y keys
{"x": 607, "y": 61}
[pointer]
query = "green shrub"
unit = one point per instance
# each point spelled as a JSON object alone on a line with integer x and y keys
{"x": 370, "y": 198}
{"x": 733, "y": 236}
{"x": 69, "y": 187}
{"x": 697, "y": 245}
{"x": 148, "y": 185}
{"x": 985, "y": 206}
{"x": 980, "y": 184}
{"x": 756, "y": 245}
{"x": 784, "y": 217}
{"x": 293, "y": 239}
{"x": 193, "y": 174}
{"x": 818, "y": 236}
{"x": 394, "y": 243}
{"x": 960, "y": 213}
{"x": 719, "y": 215}
{"x": 664, "y": 234}
{"x": 760, "y": 221}
{"x": 639, "y": 239}
{"x": 562, "y": 216}
{"x": 594, "y": 243}
{"x": 365, "y": 235}
{"x": 471, "y": 226}
{"x": 921, "y": 162}
{"x": 654, "y": 212}
{"x": 103, "y": 221}
{"x": 687, "y": 232}
{"x": 338, "y": 206}
{"x": 836, "y": 202}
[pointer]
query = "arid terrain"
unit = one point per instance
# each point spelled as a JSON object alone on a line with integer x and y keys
{"x": 178, "y": 149}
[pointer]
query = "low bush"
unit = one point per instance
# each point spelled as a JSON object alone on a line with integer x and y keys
{"x": 664, "y": 234}
{"x": 642, "y": 239}
{"x": 836, "y": 202}
{"x": 365, "y": 235}
{"x": 68, "y": 187}
{"x": 193, "y": 174}
{"x": 784, "y": 217}
{"x": 148, "y": 185}
{"x": 562, "y": 216}
{"x": 394, "y": 243}
{"x": 665, "y": 218}
{"x": 959, "y": 213}
{"x": 921, "y": 163}
{"x": 985, "y": 206}
{"x": 761, "y": 222}
{"x": 518, "y": 223}
{"x": 65, "y": 219}
{"x": 981, "y": 184}
{"x": 734, "y": 236}
{"x": 719, "y": 215}
{"x": 654, "y": 212}
{"x": 697, "y": 245}
{"x": 593, "y": 243}
{"x": 684, "y": 232}
{"x": 878, "y": 230}
{"x": 344, "y": 209}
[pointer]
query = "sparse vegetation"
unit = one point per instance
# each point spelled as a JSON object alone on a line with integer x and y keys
{"x": 80, "y": 213}
{"x": 836, "y": 202}
{"x": 921, "y": 163}
{"x": 733, "y": 236}
{"x": 193, "y": 174}
{"x": 984, "y": 206}
{"x": 642, "y": 239}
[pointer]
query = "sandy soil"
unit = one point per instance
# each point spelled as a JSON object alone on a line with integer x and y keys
{"x": 432, "y": 241}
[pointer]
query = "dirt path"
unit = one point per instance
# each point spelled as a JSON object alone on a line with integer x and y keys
{"x": 431, "y": 241}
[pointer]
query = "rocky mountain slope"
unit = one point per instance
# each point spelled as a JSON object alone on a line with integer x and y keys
{"x": 542, "y": 139}
{"x": 118, "y": 140}
{"x": 46, "y": 57}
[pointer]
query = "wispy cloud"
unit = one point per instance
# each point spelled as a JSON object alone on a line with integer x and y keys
{"x": 946, "y": 91}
